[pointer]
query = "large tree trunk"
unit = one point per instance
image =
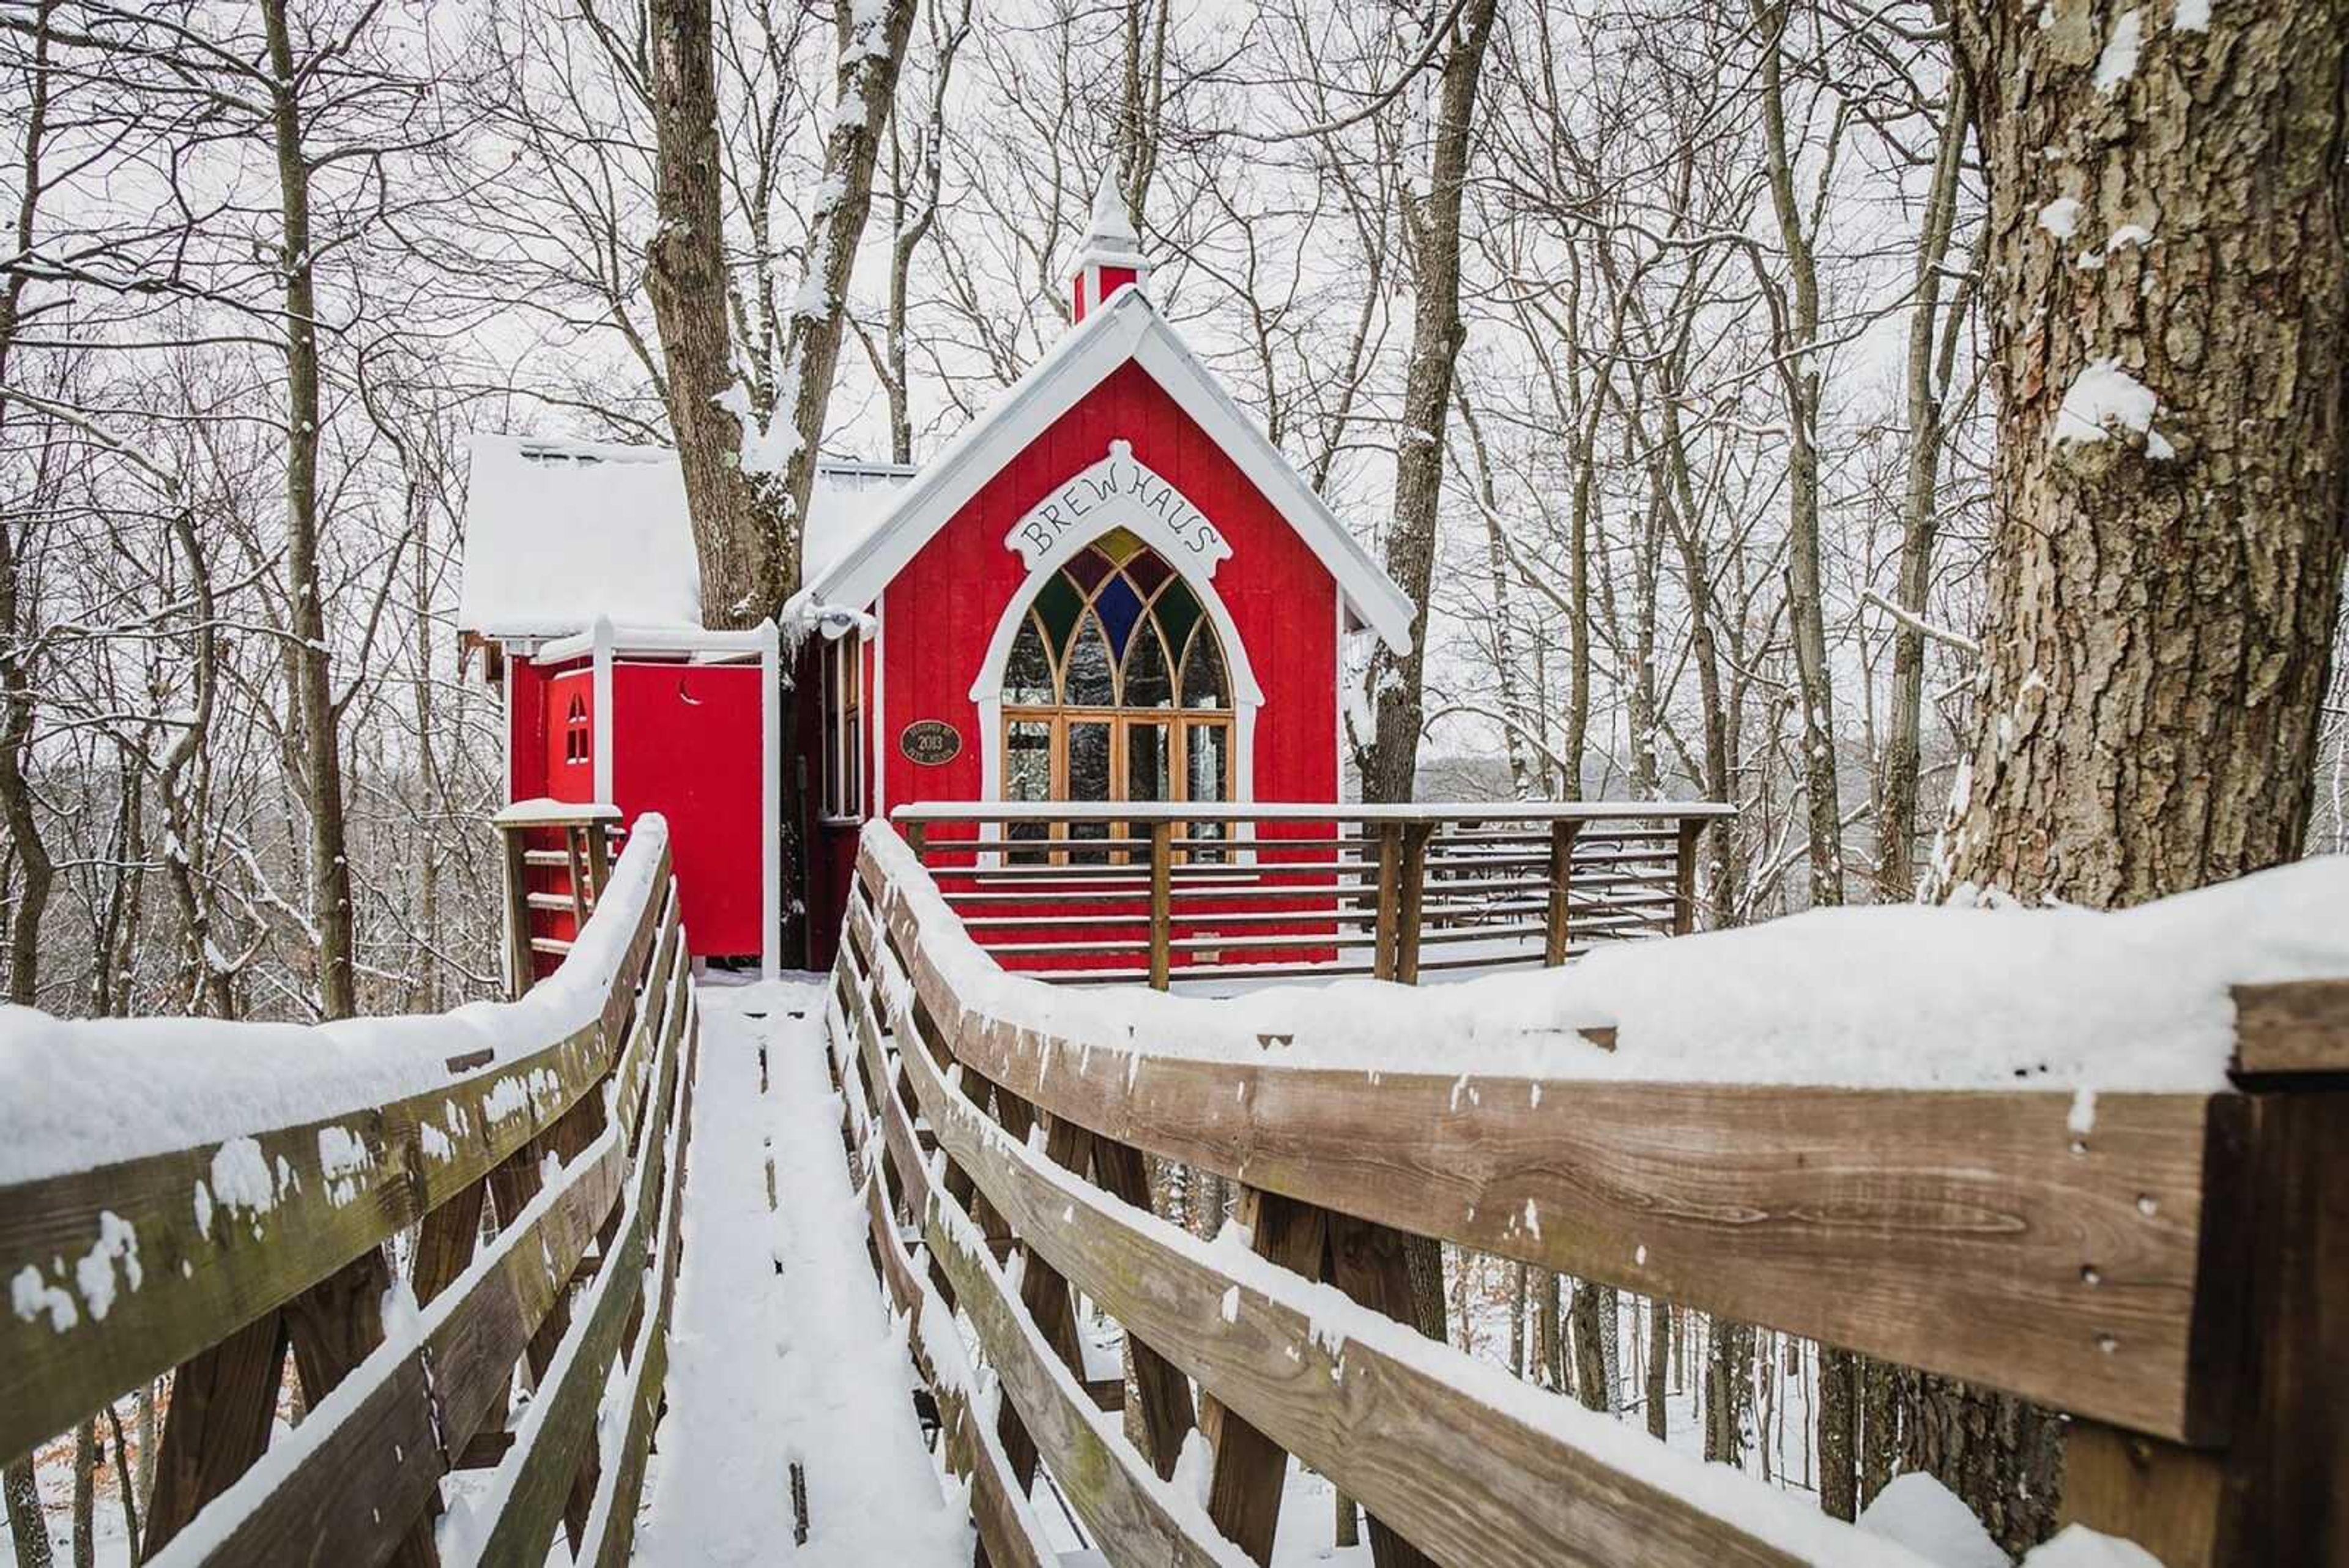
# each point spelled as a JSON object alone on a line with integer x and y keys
{"x": 743, "y": 579}
{"x": 320, "y": 728}
{"x": 2165, "y": 582}
{"x": 872, "y": 48}
{"x": 2166, "y": 338}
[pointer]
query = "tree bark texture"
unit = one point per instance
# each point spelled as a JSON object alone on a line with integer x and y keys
{"x": 28, "y": 1528}
{"x": 2162, "y": 599}
{"x": 1398, "y": 690}
{"x": 2167, "y": 307}
{"x": 742, "y": 578}
{"x": 320, "y": 728}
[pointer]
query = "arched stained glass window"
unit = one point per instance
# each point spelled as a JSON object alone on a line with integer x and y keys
{"x": 1116, "y": 687}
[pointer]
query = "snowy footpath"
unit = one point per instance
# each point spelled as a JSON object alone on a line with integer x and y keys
{"x": 780, "y": 1352}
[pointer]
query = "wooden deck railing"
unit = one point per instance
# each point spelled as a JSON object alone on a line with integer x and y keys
{"x": 2171, "y": 1275}
{"x": 531, "y": 1189}
{"x": 1111, "y": 893}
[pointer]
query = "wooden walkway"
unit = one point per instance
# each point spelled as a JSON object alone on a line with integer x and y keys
{"x": 535, "y": 1313}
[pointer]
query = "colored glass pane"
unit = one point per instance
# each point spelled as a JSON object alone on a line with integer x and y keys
{"x": 1118, "y": 607}
{"x": 1087, "y": 568}
{"x": 1149, "y": 683}
{"x": 1059, "y": 606}
{"x": 1147, "y": 570}
{"x": 1027, "y": 673}
{"x": 1203, "y": 671}
{"x": 1120, "y": 545}
{"x": 1178, "y": 611}
{"x": 1088, "y": 682}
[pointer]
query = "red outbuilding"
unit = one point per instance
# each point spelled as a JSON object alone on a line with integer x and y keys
{"x": 1110, "y": 587}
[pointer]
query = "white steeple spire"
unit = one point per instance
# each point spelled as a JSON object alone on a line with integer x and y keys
{"x": 1112, "y": 228}
{"x": 1112, "y": 256}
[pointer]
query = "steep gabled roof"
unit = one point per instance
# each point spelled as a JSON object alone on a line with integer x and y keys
{"x": 1127, "y": 328}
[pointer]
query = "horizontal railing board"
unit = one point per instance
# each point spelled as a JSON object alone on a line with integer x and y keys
{"x": 472, "y": 1336}
{"x": 1395, "y": 1426}
{"x": 535, "y": 1475}
{"x": 1123, "y": 1502}
{"x": 198, "y": 1286}
{"x": 201, "y": 1281}
{"x": 1007, "y": 1524}
{"x": 1970, "y": 1233}
{"x": 1309, "y": 811}
{"x": 2293, "y": 1027}
{"x": 610, "y": 1531}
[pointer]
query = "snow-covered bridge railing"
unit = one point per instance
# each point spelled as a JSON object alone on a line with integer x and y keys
{"x": 1135, "y": 890}
{"x": 2151, "y": 1259}
{"x": 266, "y": 1187}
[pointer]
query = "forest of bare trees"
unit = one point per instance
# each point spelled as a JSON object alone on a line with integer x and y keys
{"x": 1663, "y": 348}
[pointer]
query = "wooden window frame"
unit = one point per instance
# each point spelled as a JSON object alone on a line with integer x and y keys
{"x": 842, "y": 679}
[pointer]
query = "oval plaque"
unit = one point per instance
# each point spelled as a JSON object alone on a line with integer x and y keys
{"x": 930, "y": 742}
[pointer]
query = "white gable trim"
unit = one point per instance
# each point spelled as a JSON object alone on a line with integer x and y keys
{"x": 1128, "y": 327}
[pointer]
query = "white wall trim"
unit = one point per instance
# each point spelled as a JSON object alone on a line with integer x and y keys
{"x": 603, "y": 692}
{"x": 770, "y": 801}
{"x": 876, "y": 713}
{"x": 506, "y": 714}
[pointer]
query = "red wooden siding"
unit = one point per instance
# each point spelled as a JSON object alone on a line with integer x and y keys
{"x": 940, "y": 612}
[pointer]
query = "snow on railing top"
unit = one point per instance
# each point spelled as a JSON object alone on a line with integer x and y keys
{"x": 76, "y": 1094}
{"x": 1883, "y": 997}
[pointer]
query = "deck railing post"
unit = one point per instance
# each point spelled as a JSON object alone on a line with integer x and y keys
{"x": 522, "y": 968}
{"x": 1382, "y": 933}
{"x": 2279, "y": 1490}
{"x": 1412, "y": 901}
{"x": 1162, "y": 904}
{"x": 575, "y": 853}
{"x": 599, "y": 859}
{"x": 1684, "y": 877}
{"x": 1562, "y": 875}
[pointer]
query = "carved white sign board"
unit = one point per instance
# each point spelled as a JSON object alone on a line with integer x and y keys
{"x": 1118, "y": 492}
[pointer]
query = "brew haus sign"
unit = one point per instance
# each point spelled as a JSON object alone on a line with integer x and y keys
{"x": 1119, "y": 491}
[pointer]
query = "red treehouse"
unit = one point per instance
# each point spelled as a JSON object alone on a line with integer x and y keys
{"x": 1111, "y": 587}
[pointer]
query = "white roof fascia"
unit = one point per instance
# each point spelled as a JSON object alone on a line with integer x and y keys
{"x": 630, "y": 639}
{"x": 1374, "y": 595}
{"x": 1128, "y": 327}
{"x": 1081, "y": 361}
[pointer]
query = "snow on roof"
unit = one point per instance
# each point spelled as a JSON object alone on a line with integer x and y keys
{"x": 1127, "y": 328}
{"x": 559, "y": 531}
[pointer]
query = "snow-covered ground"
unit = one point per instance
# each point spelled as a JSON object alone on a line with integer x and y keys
{"x": 781, "y": 1351}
